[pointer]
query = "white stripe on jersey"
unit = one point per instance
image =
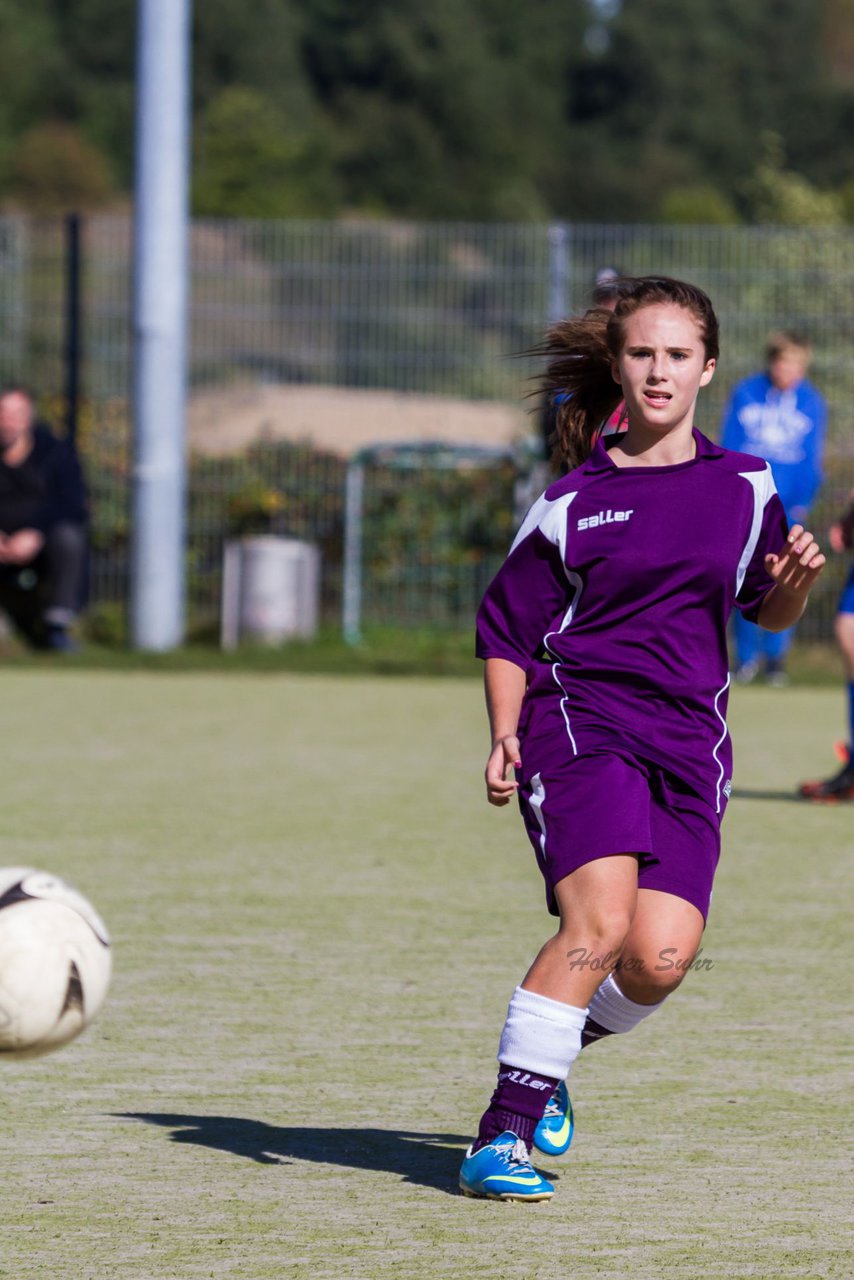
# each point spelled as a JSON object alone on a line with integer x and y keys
{"x": 764, "y": 488}
{"x": 550, "y": 518}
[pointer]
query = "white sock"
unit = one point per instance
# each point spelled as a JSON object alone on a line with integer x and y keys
{"x": 616, "y": 1012}
{"x": 541, "y": 1035}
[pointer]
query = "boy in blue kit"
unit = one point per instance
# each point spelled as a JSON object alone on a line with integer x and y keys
{"x": 606, "y": 675}
{"x": 779, "y": 416}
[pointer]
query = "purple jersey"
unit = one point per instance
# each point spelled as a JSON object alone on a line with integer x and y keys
{"x": 614, "y": 600}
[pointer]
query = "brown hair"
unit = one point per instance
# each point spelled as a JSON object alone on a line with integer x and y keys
{"x": 581, "y": 351}
{"x": 782, "y": 339}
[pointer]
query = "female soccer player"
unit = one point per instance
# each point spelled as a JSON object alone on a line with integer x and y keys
{"x": 604, "y": 635}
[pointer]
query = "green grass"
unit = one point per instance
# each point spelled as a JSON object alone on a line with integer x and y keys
{"x": 394, "y": 651}
{"x": 318, "y": 922}
{"x": 382, "y": 651}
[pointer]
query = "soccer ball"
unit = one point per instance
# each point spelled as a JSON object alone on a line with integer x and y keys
{"x": 54, "y": 962}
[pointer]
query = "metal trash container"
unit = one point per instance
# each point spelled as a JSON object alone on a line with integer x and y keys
{"x": 270, "y": 590}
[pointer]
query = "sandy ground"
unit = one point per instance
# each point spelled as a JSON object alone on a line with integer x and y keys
{"x": 343, "y": 420}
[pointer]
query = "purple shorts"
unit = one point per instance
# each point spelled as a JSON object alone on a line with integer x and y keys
{"x": 602, "y": 804}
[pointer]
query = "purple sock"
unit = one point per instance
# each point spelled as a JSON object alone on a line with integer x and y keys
{"x": 593, "y": 1031}
{"x": 518, "y": 1104}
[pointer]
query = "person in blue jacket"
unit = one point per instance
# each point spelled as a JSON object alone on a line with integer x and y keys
{"x": 777, "y": 415}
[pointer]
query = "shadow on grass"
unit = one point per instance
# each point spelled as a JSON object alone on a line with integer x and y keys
{"x": 746, "y": 793}
{"x": 427, "y": 1159}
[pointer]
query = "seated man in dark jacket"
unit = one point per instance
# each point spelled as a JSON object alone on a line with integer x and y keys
{"x": 42, "y": 525}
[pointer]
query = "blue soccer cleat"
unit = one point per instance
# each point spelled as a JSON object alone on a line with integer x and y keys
{"x": 553, "y": 1134}
{"x": 502, "y": 1170}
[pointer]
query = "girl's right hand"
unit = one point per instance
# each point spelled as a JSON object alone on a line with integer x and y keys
{"x": 505, "y": 755}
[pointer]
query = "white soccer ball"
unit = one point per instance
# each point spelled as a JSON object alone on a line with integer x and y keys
{"x": 55, "y": 962}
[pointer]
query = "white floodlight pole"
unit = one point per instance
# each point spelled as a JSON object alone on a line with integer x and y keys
{"x": 159, "y": 323}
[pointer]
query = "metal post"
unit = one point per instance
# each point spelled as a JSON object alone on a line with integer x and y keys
{"x": 558, "y": 299}
{"x": 353, "y": 518}
{"x": 159, "y": 323}
{"x": 73, "y": 312}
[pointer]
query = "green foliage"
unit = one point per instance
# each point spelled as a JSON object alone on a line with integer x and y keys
{"x": 71, "y": 63}
{"x": 449, "y": 110}
{"x": 53, "y": 168}
{"x": 257, "y": 48}
{"x": 95, "y": 87}
{"x": 256, "y": 508}
{"x": 432, "y": 536}
{"x": 660, "y": 101}
{"x": 105, "y": 625}
{"x": 698, "y": 204}
{"x": 846, "y": 196}
{"x": 776, "y": 195}
{"x": 251, "y": 163}
{"x": 461, "y": 109}
{"x": 433, "y": 540}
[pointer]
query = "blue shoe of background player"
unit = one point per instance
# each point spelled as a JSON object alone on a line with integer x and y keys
{"x": 502, "y": 1170}
{"x": 554, "y": 1132}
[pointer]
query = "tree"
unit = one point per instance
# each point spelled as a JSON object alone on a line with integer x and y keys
{"x": 30, "y": 55}
{"x": 252, "y": 47}
{"x": 702, "y": 205}
{"x": 94, "y": 83}
{"x": 452, "y": 109}
{"x": 596, "y": 110}
{"x": 669, "y": 102}
{"x": 250, "y": 163}
{"x": 53, "y": 168}
{"x": 776, "y": 195}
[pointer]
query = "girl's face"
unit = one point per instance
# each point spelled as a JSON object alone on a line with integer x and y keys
{"x": 662, "y": 366}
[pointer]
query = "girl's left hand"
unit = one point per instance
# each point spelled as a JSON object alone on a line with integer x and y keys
{"x": 796, "y": 569}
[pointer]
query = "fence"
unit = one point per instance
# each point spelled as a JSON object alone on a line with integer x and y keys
{"x": 437, "y": 309}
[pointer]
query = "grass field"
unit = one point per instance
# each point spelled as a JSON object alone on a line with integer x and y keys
{"x": 314, "y": 947}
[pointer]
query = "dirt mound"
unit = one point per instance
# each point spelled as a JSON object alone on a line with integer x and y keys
{"x": 343, "y": 420}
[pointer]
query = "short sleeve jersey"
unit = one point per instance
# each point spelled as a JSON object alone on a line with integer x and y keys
{"x": 615, "y": 598}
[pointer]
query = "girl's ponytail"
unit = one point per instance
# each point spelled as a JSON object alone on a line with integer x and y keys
{"x": 578, "y": 382}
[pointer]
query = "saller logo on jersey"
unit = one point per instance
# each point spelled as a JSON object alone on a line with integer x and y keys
{"x": 604, "y": 517}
